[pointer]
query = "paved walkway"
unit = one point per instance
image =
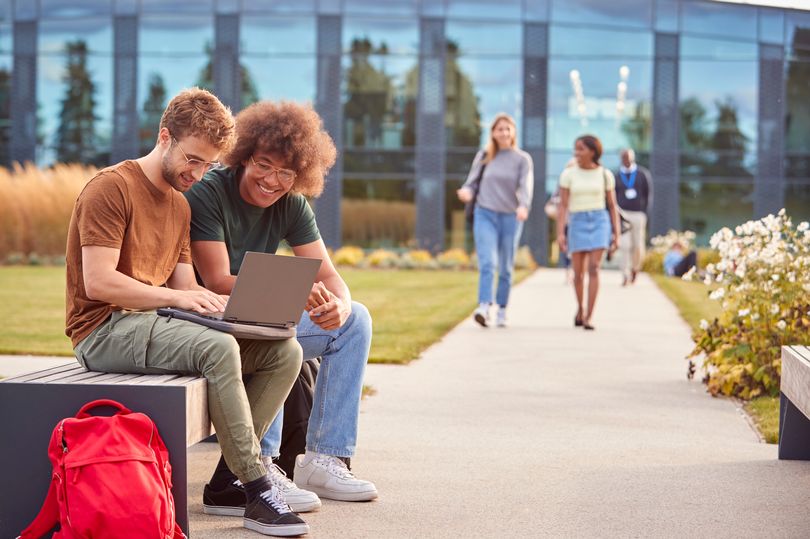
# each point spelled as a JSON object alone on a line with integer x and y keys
{"x": 543, "y": 430}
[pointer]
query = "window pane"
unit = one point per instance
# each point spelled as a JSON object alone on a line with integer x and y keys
{"x": 391, "y": 163}
{"x": 625, "y": 13}
{"x": 372, "y": 7}
{"x": 484, "y": 9}
{"x": 277, "y": 35}
{"x": 718, "y": 118}
{"x": 771, "y": 26}
{"x": 6, "y": 38}
{"x": 797, "y": 109}
{"x": 698, "y": 48}
{"x": 176, "y": 37}
{"x": 719, "y": 19}
{"x": 177, "y": 6}
{"x": 706, "y": 207}
{"x": 798, "y": 32}
{"x": 6, "y": 63}
{"x": 619, "y": 118}
{"x": 590, "y": 42}
{"x": 797, "y": 201}
{"x": 477, "y": 89}
{"x": 666, "y": 16}
{"x": 275, "y": 79}
{"x": 279, "y": 6}
{"x": 392, "y": 36}
{"x": 74, "y": 8}
{"x": 74, "y": 91}
{"x": 379, "y": 99}
{"x": 378, "y": 213}
{"x": 477, "y": 38}
{"x": 797, "y": 165}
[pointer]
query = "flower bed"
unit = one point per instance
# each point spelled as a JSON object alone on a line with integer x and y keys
{"x": 762, "y": 279}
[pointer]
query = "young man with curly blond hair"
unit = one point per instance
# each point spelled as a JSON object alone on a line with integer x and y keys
{"x": 128, "y": 254}
{"x": 281, "y": 156}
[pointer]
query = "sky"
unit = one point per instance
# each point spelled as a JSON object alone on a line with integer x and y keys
{"x": 795, "y": 4}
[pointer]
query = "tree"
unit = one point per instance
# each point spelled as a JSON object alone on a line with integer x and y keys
{"x": 638, "y": 128}
{"x": 728, "y": 142}
{"x": 462, "y": 119}
{"x": 249, "y": 94}
{"x": 369, "y": 95}
{"x": 153, "y": 107}
{"x": 5, "y": 116}
{"x": 76, "y": 135}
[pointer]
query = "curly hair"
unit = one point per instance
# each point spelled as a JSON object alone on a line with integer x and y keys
{"x": 198, "y": 113}
{"x": 294, "y": 132}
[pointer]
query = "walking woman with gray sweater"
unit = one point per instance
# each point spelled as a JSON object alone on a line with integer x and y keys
{"x": 502, "y": 205}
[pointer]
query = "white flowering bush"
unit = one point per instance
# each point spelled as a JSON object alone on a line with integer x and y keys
{"x": 763, "y": 281}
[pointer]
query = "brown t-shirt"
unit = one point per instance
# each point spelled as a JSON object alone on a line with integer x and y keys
{"x": 122, "y": 209}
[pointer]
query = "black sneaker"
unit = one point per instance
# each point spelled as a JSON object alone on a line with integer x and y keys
{"x": 229, "y": 502}
{"x": 269, "y": 514}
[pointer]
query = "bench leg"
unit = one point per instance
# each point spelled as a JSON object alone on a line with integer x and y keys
{"x": 794, "y": 431}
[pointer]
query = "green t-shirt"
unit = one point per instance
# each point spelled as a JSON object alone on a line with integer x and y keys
{"x": 218, "y": 213}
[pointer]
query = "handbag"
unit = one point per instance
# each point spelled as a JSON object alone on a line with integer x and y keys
{"x": 475, "y": 186}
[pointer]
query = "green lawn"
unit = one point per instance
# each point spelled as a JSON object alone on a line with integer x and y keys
{"x": 693, "y": 303}
{"x": 34, "y": 300}
{"x": 411, "y": 309}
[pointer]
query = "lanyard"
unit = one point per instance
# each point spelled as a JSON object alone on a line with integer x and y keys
{"x": 629, "y": 183}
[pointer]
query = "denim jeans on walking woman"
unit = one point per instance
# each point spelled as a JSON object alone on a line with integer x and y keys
{"x": 344, "y": 352}
{"x": 496, "y": 238}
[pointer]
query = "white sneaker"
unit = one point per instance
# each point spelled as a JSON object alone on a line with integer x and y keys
{"x": 500, "y": 319}
{"x": 481, "y": 314}
{"x": 329, "y": 478}
{"x": 299, "y": 500}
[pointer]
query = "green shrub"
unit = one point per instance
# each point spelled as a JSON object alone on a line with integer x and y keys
{"x": 763, "y": 281}
{"x": 653, "y": 262}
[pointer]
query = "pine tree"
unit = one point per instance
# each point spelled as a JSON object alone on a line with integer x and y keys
{"x": 249, "y": 94}
{"x": 76, "y": 136}
{"x": 153, "y": 107}
{"x": 5, "y": 116}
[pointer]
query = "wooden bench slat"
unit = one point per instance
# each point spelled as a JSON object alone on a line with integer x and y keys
{"x": 78, "y": 369}
{"x": 33, "y": 376}
{"x": 73, "y": 378}
{"x": 113, "y": 378}
{"x": 152, "y": 379}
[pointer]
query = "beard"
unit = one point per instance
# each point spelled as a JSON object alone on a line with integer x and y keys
{"x": 172, "y": 175}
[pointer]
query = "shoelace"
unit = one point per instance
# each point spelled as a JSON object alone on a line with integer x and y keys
{"x": 274, "y": 500}
{"x": 335, "y": 466}
{"x": 279, "y": 478}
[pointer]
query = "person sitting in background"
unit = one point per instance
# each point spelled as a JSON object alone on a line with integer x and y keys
{"x": 677, "y": 261}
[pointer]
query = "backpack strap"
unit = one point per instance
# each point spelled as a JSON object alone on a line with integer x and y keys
{"x": 47, "y": 518}
{"x": 84, "y": 411}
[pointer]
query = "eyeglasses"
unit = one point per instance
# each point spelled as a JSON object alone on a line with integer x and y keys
{"x": 196, "y": 163}
{"x": 284, "y": 175}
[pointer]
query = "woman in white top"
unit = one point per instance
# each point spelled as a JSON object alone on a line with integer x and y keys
{"x": 588, "y": 206}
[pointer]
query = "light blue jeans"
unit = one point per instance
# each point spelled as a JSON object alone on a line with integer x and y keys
{"x": 496, "y": 238}
{"x": 344, "y": 352}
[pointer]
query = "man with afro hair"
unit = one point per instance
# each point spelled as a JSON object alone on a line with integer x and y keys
{"x": 281, "y": 156}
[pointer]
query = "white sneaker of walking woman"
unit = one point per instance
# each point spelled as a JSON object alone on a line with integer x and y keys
{"x": 481, "y": 314}
{"x": 329, "y": 478}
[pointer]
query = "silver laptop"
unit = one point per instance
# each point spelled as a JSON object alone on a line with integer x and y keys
{"x": 270, "y": 291}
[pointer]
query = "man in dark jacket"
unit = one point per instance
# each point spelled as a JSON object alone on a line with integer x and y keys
{"x": 634, "y": 195}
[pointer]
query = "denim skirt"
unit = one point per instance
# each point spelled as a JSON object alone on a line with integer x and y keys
{"x": 588, "y": 230}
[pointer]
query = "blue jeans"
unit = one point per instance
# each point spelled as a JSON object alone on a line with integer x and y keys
{"x": 344, "y": 352}
{"x": 496, "y": 238}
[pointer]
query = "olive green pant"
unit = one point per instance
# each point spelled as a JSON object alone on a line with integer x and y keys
{"x": 143, "y": 342}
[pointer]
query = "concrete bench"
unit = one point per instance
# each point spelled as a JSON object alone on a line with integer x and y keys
{"x": 32, "y": 404}
{"x": 794, "y": 404}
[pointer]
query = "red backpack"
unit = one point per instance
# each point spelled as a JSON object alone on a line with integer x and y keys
{"x": 111, "y": 478}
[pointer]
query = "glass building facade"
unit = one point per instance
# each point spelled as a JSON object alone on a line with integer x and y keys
{"x": 714, "y": 97}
